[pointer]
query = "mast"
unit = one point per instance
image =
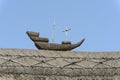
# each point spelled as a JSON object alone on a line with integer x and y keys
{"x": 66, "y": 31}
{"x": 53, "y": 31}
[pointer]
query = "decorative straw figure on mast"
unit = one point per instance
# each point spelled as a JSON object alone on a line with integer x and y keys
{"x": 66, "y": 31}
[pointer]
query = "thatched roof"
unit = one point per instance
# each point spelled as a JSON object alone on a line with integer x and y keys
{"x": 59, "y": 63}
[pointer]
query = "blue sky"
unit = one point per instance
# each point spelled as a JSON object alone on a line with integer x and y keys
{"x": 98, "y": 21}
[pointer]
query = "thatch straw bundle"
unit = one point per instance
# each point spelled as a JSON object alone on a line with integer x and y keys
{"x": 33, "y": 34}
{"x": 39, "y": 39}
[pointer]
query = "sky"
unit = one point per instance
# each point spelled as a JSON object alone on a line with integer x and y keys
{"x": 98, "y": 21}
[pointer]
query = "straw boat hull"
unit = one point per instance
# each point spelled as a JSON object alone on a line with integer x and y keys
{"x": 57, "y": 47}
{"x": 43, "y": 43}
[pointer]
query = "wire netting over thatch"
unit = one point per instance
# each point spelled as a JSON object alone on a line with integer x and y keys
{"x": 59, "y": 63}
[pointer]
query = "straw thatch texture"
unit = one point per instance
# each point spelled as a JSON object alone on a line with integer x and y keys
{"x": 19, "y": 64}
